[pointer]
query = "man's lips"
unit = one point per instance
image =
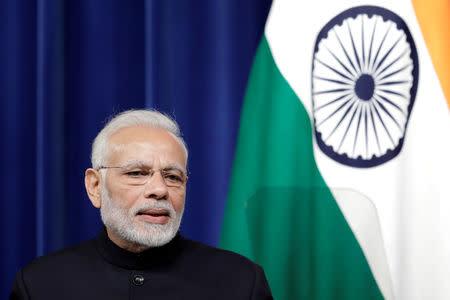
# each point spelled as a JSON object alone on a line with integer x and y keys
{"x": 154, "y": 215}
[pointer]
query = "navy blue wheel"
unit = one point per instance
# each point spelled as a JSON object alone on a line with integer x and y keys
{"x": 364, "y": 82}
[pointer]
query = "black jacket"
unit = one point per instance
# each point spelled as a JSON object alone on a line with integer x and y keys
{"x": 182, "y": 269}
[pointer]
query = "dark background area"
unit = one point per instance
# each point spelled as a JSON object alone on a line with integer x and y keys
{"x": 66, "y": 66}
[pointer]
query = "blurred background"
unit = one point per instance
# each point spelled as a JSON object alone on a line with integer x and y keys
{"x": 66, "y": 66}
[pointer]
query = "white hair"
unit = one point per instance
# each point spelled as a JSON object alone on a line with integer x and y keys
{"x": 131, "y": 118}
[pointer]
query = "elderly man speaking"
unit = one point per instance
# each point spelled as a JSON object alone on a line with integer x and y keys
{"x": 138, "y": 181}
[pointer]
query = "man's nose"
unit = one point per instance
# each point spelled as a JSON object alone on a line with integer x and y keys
{"x": 156, "y": 187}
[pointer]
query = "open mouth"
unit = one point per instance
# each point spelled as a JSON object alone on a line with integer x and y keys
{"x": 154, "y": 213}
{"x": 158, "y": 216}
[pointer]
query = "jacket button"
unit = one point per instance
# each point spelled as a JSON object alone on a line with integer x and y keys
{"x": 138, "y": 280}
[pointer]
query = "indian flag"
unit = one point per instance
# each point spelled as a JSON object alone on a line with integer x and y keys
{"x": 340, "y": 183}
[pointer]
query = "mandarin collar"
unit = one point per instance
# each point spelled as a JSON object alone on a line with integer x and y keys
{"x": 150, "y": 258}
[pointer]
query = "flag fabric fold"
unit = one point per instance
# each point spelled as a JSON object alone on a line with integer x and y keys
{"x": 339, "y": 179}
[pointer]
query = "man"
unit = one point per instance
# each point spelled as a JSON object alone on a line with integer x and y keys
{"x": 138, "y": 180}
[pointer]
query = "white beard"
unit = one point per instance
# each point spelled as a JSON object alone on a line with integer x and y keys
{"x": 125, "y": 225}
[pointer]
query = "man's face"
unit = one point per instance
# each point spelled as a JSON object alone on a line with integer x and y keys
{"x": 139, "y": 216}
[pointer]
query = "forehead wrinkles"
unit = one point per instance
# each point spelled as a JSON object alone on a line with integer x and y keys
{"x": 114, "y": 147}
{"x": 141, "y": 153}
{"x": 121, "y": 147}
{"x": 122, "y": 141}
{"x": 117, "y": 148}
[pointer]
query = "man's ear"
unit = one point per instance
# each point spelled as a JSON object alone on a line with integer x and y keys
{"x": 93, "y": 184}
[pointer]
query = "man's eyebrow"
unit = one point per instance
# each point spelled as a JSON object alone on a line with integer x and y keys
{"x": 174, "y": 166}
{"x": 140, "y": 164}
{"x": 135, "y": 163}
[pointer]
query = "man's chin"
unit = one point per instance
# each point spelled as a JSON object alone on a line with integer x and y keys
{"x": 153, "y": 234}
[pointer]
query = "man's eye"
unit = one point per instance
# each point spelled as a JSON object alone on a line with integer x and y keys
{"x": 173, "y": 178}
{"x": 136, "y": 173}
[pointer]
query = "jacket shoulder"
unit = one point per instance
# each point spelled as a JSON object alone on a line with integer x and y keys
{"x": 46, "y": 273}
{"x": 218, "y": 259}
{"x": 59, "y": 265}
{"x": 75, "y": 254}
{"x": 226, "y": 271}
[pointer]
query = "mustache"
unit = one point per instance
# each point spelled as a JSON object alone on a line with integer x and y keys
{"x": 157, "y": 205}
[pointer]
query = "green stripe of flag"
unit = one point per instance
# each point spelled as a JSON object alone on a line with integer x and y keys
{"x": 279, "y": 211}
